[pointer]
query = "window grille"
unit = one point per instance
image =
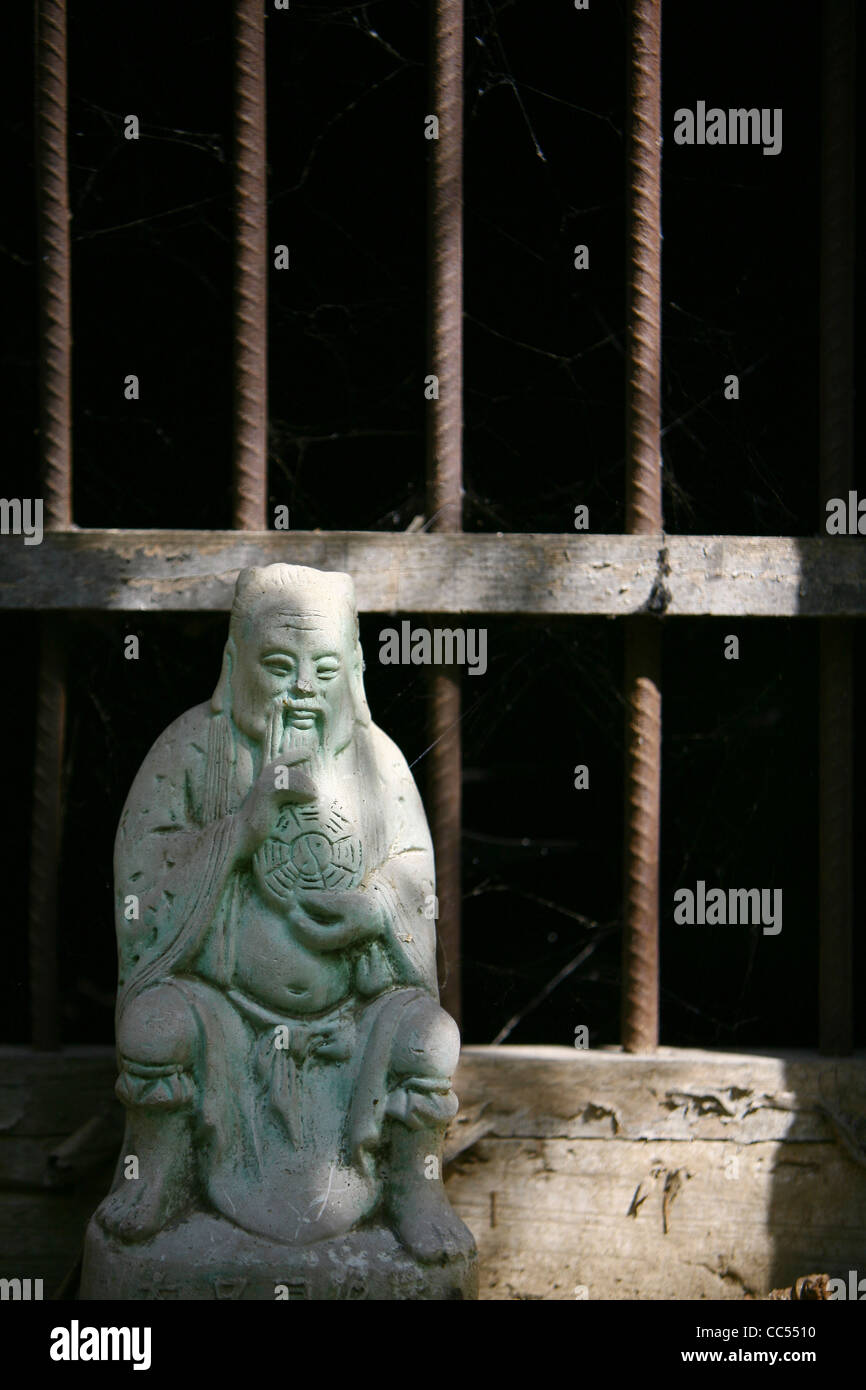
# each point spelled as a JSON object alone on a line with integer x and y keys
{"x": 643, "y": 578}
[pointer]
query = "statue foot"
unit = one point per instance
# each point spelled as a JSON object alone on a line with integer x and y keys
{"x": 137, "y": 1210}
{"x": 429, "y": 1229}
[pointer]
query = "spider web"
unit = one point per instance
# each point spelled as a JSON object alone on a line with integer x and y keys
{"x": 545, "y": 122}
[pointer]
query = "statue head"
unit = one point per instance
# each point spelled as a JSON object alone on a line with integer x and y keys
{"x": 293, "y": 663}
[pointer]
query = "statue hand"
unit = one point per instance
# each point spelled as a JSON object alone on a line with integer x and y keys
{"x": 280, "y": 783}
{"x": 359, "y": 909}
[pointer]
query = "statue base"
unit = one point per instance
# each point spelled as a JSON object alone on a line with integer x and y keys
{"x": 205, "y": 1257}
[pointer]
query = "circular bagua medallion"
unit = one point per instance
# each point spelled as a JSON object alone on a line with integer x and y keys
{"x": 312, "y": 847}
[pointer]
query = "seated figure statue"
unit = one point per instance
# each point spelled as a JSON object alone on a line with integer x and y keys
{"x": 284, "y": 1062}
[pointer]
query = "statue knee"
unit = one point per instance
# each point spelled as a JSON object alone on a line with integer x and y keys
{"x": 426, "y": 1043}
{"x": 158, "y": 1028}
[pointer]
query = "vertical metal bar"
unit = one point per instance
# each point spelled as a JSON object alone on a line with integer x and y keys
{"x": 251, "y": 272}
{"x": 444, "y": 459}
{"x": 56, "y": 458}
{"x": 643, "y": 394}
{"x": 640, "y": 989}
{"x": 643, "y": 515}
{"x": 836, "y": 347}
{"x": 53, "y": 240}
{"x": 46, "y": 836}
{"x": 444, "y": 779}
{"x": 445, "y": 427}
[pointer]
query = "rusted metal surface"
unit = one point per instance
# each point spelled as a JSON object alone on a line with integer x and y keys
{"x": 53, "y": 241}
{"x": 251, "y": 271}
{"x": 643, "y": 390}
{"x": 444, "y": 788}
{"x": 836, "y": 350}
{"x": 643, "y": 515}
{"x": 640, "y": 963}
{"x": 46, "y": 835}
{"x": 444, "y": 461}
{"x": 55, "y": 329}
{"x": 445, "y": 271}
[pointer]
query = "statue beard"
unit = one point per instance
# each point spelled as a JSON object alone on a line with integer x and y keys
{"x": 316, "y": 741}
{"x": 236, "y": 757}
{"x": 293, "y": 738}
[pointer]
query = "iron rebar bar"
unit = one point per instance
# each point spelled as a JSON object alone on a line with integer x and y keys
{"x": 444, "y": 461}
{"x": 55, "y": 438}
{"x": 643, "y": 393}
{"x": 641, "y": 851}
{"x": 445, "y": 803}
{"x": 53, "y": 240}
{"x": 643, "y": 515}
{"x": 251, "y": 271}
{"x": 46, "y": 836}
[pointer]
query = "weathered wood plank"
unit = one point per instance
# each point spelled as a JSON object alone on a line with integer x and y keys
{"x": 735, "y": 576}
{"x": 24, "y": 1162}
{"x": 41, "y": 1234}
{"x": 54, "y": 1161}
{"x": 685, "y": 1174}
{"x": 49, "y": 1095}
{"x": 677, "y": 1093}
{"x": 560, "y": 1219}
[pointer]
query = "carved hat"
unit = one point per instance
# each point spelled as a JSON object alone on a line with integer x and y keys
{"x": 308, "y": 592}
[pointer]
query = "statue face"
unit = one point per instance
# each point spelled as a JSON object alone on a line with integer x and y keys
{"x": 296, "y": 663}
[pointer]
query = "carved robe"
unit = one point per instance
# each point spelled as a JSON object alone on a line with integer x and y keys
{"x": 289, "y": 1100}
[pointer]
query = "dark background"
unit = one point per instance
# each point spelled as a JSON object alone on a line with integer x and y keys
{"x": 544, "y": 430}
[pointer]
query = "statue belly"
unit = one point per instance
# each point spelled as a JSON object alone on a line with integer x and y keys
{"x": 273, "y": 968}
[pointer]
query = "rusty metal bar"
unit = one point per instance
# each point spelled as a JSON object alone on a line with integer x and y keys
{"x": 55, "y": 435}
{"x": 640, "y": 991}
{"x": 643, "y": 703}
{"x": 251, "y": 271}
{"x": 444, "y": 788}
{"x": 445, "y": 253}
{"x": 46, "y": 836}
{"x": 444, "y": 461}
{"x": 643, "y": 392}
{"x": 836, "y": 350}
{"x": 55, "y": 322}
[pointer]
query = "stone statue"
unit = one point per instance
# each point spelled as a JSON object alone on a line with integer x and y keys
{"x": 284, "y": 1062}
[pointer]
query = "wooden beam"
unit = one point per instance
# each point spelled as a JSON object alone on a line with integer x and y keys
{"x": 681, "y": 1174}
{"x": 534, "y": 575}
{"x": 582, "y": 1174}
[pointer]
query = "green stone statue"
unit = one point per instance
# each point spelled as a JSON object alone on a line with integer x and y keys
{"x": 284, "y": 1062}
